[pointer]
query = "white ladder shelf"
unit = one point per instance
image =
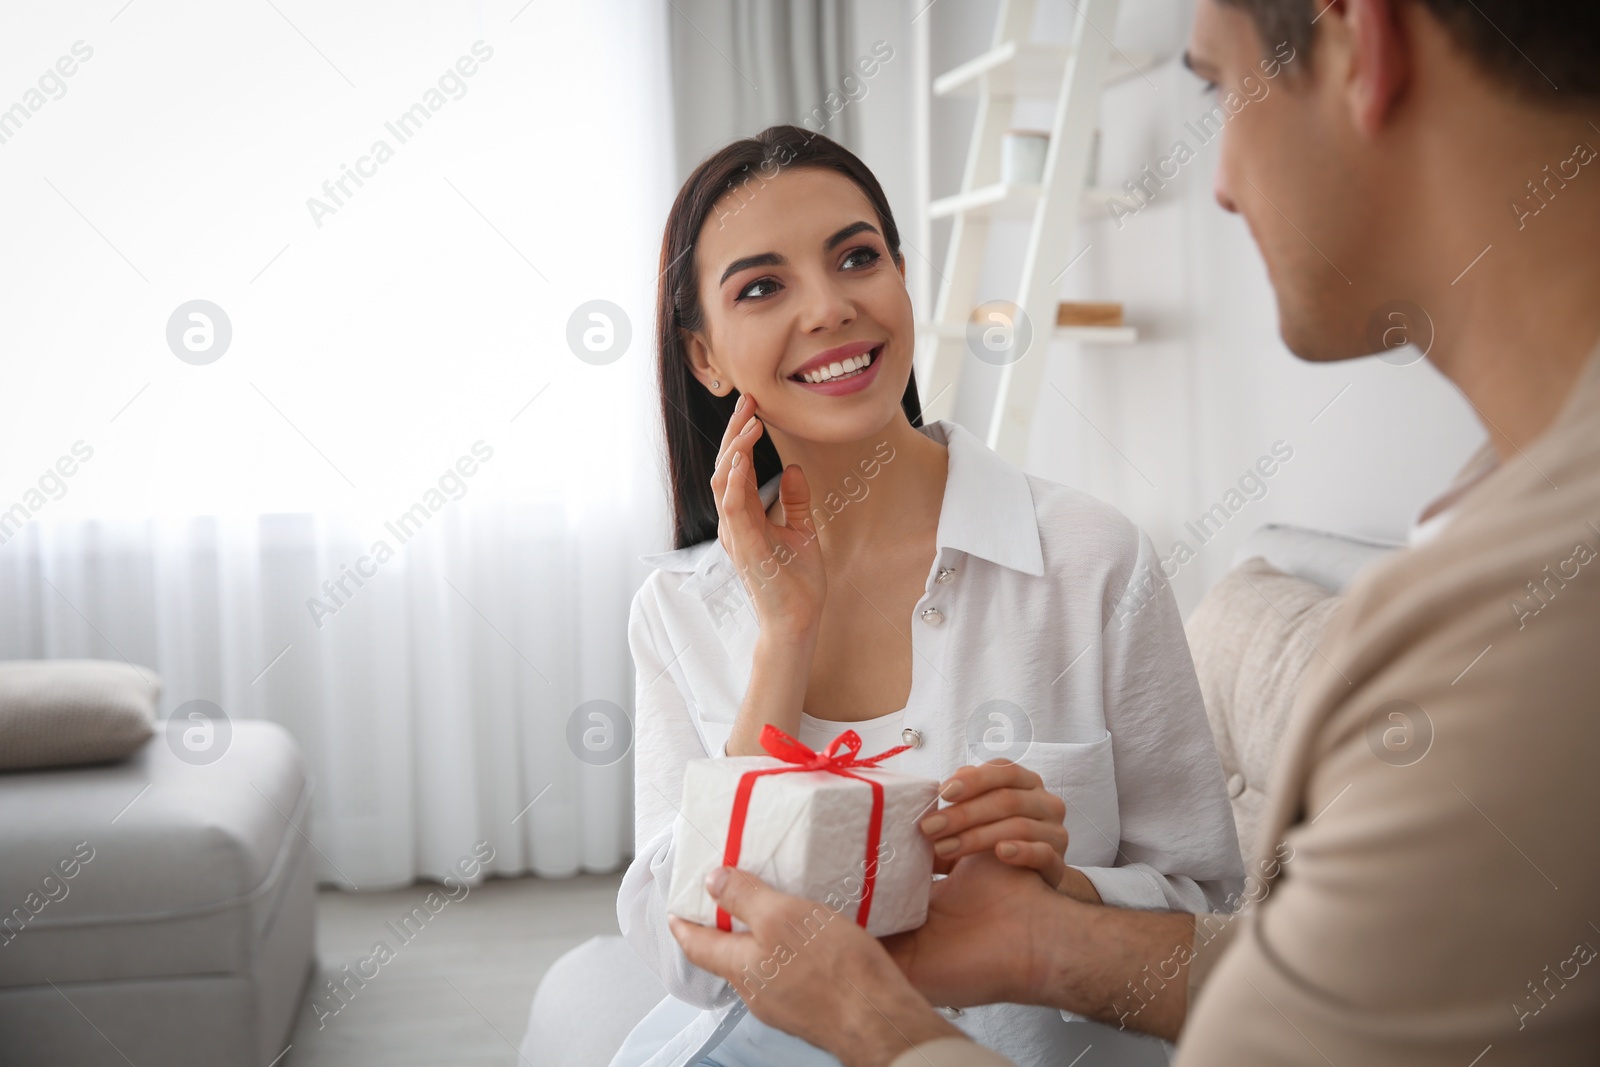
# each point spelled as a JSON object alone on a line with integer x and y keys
{"x": 1013, "y": 67}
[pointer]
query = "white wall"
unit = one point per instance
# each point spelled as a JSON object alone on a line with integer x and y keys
{"x": 1165, "y": 427}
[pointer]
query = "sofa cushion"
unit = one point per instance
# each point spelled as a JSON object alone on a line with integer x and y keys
{"x": 1252, "y": 637}
{"x": 56, "y": 713}
{"x": 152, "y": 867}
{"x": 1330, "y": 560}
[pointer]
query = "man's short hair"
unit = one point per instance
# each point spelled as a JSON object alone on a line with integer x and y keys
{"x": 1547, "y": 51}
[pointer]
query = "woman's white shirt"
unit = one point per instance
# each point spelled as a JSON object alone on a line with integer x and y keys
{"x": 1038, "y": 617}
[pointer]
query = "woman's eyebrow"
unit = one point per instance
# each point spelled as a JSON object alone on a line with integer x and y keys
{"x": 772, "y": 259}
{"x": 765, "y": 259}
{"x": 849, "y": 232}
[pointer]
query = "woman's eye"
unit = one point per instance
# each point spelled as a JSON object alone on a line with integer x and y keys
{"x": 865, "y": 256}
{"x": 771, "y": 284}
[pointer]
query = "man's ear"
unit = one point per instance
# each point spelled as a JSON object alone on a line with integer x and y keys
{"x": 1379, "y": 61}
{"x": 702, "y": 364}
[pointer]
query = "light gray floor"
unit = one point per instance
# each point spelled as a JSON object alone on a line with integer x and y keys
{"x": 458, "y": 991}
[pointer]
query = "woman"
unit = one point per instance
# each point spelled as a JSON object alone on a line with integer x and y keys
{"x": 842, "y": 566}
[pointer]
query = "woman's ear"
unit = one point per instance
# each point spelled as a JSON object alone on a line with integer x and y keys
{"x": 703, "y": 366}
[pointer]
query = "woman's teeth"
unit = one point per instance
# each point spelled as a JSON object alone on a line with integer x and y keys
{"x": 842, "y": 369}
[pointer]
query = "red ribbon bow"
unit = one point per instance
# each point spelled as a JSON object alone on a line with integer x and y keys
{"x": 830, "y": 759}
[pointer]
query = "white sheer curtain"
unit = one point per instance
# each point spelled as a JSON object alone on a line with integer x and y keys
{"x": 403, "y": 354}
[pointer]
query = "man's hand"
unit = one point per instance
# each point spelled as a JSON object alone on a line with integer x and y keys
{"x": 812, "y": 972}
{"x": 986, "y": 940}
{"x": 996, "y": 933}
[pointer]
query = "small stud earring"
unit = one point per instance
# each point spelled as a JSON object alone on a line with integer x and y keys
{"x": 716, "y": 384}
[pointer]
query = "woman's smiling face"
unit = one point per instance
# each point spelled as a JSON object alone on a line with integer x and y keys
{"x": 804, "y": 308}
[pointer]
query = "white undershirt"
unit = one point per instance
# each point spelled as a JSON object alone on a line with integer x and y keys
{"x": 1437, "y": 515}
{"x": 877, "y": 735}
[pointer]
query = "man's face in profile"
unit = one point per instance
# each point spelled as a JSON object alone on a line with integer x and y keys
{"x": 1291, "y": 164}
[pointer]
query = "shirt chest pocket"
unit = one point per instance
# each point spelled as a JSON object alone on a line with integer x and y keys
{"x": 1083, "y": 775}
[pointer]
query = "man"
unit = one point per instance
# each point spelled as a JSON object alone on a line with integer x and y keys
{"x": 1433, "y": 909}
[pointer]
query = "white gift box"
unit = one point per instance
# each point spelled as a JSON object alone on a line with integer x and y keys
{"x": 806, "y": 834}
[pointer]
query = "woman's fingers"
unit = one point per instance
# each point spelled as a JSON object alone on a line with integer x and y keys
{"x": 740, "y": 436}
{"x": 999, "y": 803}
{"x": 739, "y": 461}
{"x": 987, "y": 836}
{"x": 993, "y": 806}
{"x": 1037, "y": 855}
{"x": 742, "y": 413}
{"x": 742, "y": 525}
{"x": 744, "y": 442}
{"x": 968, "y": 782}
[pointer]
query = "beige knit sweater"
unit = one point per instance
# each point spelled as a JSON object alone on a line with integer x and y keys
{"x": 1439, "y": 794}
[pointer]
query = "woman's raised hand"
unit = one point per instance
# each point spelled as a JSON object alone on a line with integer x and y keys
{"x": 781, "y": 564}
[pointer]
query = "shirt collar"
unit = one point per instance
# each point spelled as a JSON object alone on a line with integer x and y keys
{"x": 987, "y": 511}
{"x": 988, "y": 507}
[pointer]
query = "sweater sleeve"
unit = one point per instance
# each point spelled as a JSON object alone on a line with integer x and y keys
{"x": 1178, "y": 848}
{"x": 665, "y": 740}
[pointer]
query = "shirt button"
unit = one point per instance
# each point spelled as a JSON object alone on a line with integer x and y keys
{"x": 911, "y": 737}
{"x": 932, "y": 616}
{"x": 1235, "y": 785}
{"x": 944, "y": 574}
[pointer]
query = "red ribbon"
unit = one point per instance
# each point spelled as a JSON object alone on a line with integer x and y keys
{"x": 830, "y": 759}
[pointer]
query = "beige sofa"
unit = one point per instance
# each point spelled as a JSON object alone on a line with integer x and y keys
{"x": 1252, "y": 637}
{"x": 159, "y": 911}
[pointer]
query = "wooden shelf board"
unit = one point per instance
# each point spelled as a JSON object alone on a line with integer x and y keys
{"x": 1019, "y": 68}
{"x": 990, "y": 201}
{"x": 1092, "y": 335}
{"x": 1002, "y": 201}
{"x": 1097, "y": 335}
